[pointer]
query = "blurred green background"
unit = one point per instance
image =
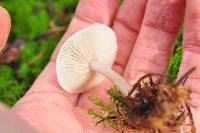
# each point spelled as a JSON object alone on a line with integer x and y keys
{"x": 37, "y": 26}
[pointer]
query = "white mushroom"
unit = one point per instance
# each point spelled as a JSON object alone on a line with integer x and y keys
{"x": 85, "y": 57}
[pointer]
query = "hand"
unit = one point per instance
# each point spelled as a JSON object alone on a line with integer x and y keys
{"x": 154, "y": 24}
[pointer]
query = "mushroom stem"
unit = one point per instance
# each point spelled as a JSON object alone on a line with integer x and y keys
{"x": 117, "y": 79}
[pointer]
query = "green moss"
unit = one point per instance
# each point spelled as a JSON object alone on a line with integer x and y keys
{"x": 31, "y": 18}
{"x": 175, "y": 62}
{"x": 96, "y": 101}
{"x": 175, "y": 59}
{"x": 10, "y": 88}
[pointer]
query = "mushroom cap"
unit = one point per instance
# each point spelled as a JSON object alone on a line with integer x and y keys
{"x": 96, "y": 42}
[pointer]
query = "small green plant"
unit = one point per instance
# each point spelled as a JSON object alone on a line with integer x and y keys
{"x": 109, "y": 113}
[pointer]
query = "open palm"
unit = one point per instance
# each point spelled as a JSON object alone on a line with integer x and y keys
{"x": 145, "y": 31}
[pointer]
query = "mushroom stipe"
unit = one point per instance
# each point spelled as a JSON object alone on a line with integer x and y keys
{"x": 155, "y": 108}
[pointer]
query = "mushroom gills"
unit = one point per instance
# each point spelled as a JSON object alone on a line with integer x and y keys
{"x": 85, "y": 57}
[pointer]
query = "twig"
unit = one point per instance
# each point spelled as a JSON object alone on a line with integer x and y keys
{"x": 54, "y": 30}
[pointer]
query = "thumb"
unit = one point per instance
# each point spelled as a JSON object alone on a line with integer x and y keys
{"x": 4, "y": 26}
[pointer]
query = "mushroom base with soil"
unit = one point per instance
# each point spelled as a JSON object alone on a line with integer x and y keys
{"x": 155, "y": 108}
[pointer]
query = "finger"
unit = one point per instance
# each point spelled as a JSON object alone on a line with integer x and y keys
{"x": 4, "y": 27}
{"x": 191, "y": 55}
{"x": 87, "y": 13}
{"x": 126, "y": 26}
{"x": 155, "y": 41}
{"x": 191, "y": 44}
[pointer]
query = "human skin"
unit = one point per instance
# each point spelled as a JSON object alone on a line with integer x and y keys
{"x": 145, "y": 31}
